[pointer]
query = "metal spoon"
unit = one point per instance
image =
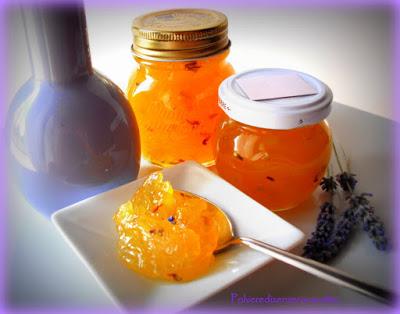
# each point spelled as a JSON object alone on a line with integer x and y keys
{"x": 317, "y": 269}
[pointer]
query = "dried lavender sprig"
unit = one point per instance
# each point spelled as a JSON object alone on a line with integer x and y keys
{"x": 343, "y": 231}
{"x": 337, "y": 241}
{"x": 325, "y": 221}
{"x": 369, "y": 221}
{"x": 363, "y": 212}
{"x": 346, "y": 180}
{"x": 375, "y": 230}
{"x": 327, "y": 241}
{"x": 323, "y": 230}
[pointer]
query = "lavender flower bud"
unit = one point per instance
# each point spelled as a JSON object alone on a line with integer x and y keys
{"x": 328, "y": 184}
{"x": 346, "y": 181}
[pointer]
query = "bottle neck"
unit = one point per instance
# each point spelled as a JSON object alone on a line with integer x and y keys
{"x": 58, "y": 42}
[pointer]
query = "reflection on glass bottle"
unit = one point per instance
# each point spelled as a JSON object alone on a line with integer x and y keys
{"x": 71, "y": 132}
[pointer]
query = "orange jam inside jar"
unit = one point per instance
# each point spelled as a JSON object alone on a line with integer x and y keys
{"x": 181, "y": 58}
{"x": 274, "y": 150}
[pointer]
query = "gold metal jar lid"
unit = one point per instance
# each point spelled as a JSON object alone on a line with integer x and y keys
{"x": 180, "y": 34}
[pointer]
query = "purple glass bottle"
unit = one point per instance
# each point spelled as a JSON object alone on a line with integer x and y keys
{"x": 71, "y": 132}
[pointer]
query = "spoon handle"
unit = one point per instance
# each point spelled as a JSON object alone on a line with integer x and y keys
{"x": 320, "y": 270}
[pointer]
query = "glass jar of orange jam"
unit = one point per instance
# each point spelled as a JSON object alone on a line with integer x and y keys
{"x": 277, "y": 149}
{"x": 181, "y": 60}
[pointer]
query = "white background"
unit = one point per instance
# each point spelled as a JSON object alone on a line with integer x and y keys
{"x": 348, "y": 48}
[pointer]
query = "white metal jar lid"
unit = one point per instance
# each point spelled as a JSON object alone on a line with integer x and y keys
{"x": 280, "y": 113}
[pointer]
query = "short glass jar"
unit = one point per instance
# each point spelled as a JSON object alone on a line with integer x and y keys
{"x": 181, "y": 57}
{"x": 275, "y": 150}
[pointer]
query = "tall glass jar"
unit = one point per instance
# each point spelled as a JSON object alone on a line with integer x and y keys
{"x": 181, "y": 58}
{"x": 275, "y": 150}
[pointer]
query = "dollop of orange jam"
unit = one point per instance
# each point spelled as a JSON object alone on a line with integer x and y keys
{"x": 167, "y": 234}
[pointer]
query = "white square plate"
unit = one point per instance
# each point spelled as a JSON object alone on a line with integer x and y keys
{"x": 89, "y": 229}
